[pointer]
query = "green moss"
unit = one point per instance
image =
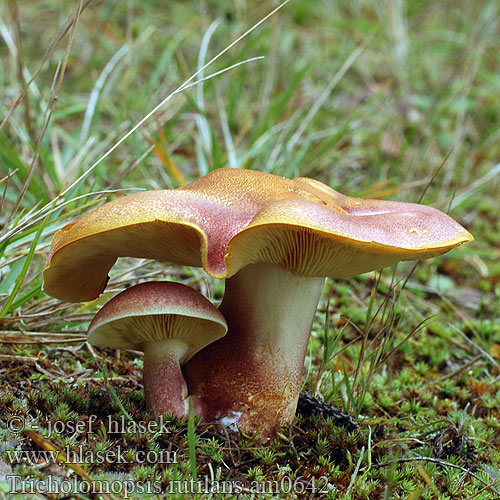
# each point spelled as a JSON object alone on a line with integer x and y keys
{"x": 426, "y": 84}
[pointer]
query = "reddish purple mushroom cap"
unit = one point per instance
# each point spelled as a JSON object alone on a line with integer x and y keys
{"x": 154, "y": 312}
{"x": 170, "y": 323}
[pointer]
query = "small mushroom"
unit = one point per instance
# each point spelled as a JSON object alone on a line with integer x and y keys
{"x": 169, "y": 322}
{"x": 274, "y": 240}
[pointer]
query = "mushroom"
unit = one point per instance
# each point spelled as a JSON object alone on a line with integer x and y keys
{"x": 169, "y": 322}
{"x": 274, "y": 240}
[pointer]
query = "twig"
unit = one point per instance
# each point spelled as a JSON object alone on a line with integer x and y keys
{"x": 475, "y": 346}
{"x": 21, "y": 333}
{"x": 455, "y": 372}
{"x": 39, "y": 341}
{"x": 434, "y": 461}
{"x": 494, "y": 483}
{"x": 18, "y": 359}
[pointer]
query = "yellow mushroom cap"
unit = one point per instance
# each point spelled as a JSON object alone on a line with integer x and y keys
{"x": 233, "y": 217}
{"x": 154, "y": 312}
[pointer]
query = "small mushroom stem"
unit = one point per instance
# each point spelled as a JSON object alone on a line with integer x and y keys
{"x": 254, "y": 373}
{"x": 164, "y": 385}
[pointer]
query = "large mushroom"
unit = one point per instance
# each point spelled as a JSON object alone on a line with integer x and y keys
{"x": 274, "y": 240}
{"x": 169, "y": 322}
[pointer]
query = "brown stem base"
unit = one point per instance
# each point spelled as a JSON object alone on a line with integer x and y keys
{"x": 254, "y": 373}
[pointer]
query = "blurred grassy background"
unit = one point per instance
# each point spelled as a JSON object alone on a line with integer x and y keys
{"x": 392, "y": 99}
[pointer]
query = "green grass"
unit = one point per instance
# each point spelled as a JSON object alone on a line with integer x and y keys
{"x": 385, "y": 99}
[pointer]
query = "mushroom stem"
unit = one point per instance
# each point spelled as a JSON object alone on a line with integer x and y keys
{"x": 164, "y": 385}
{"x": 255, "y": 371}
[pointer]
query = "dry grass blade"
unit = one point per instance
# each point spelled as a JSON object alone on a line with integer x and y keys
{"x": 46, "y": 210}
{"x": 50, "y": 109}
{"x": 187, "y": 84}
{"x": 57, "y": 40}
{"x": 29, "y": 222}
{"x": 61, "y": 457}
{"x": 20, "y": 63}
{"x": 169, "y": 165}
